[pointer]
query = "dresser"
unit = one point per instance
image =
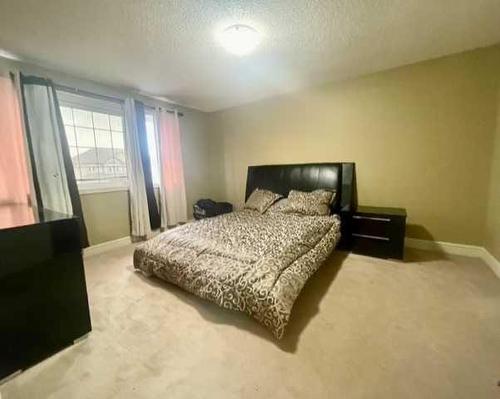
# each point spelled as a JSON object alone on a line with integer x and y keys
{"x": 43, "y": 295}
{"x": 378, "y": 232}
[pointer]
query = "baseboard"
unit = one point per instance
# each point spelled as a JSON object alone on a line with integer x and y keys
{"x": 106, "y": 246}
{"x": 456, "y": 249}
{"x": 445, "y": 247}
{"x": 491, "y": 261}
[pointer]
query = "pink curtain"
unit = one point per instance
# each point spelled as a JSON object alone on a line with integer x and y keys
{"x": 14, "y": 180}
{"x": 173, "y": 190}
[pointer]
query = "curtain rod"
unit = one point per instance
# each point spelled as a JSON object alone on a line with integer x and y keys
{"x": 170, "y": 111}
{"x": 75, "y": 90}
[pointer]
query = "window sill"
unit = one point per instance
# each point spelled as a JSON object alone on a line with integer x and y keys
{"x": 98, "y": 190}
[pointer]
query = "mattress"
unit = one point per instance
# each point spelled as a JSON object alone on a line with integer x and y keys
{"x": 245, "y": 261}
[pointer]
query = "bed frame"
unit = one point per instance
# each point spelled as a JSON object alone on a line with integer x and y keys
{"x": 338, "y": 176}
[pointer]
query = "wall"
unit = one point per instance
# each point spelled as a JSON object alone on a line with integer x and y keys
{"x": 107, "y": 213}
{"x": 201, "y": 160}
{"x": 421, "y": 137}
{"x": 492, "y": 242}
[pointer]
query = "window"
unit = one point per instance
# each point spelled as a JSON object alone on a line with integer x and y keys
{"x": 152, "y": 147}
{"x": 95, "y": 132}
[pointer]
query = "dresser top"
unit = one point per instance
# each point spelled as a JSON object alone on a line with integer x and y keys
{"x": 376, "y": 210}
{"x": 12, "y": 216}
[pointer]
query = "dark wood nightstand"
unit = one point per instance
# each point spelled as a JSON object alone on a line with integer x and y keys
{"x": 378, "y": 231}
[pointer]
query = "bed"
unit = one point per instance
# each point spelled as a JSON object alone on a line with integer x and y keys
{"x": 252, "y": 262}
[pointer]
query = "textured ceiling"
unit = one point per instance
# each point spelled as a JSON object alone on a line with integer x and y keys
{"x": 167, "y": 47}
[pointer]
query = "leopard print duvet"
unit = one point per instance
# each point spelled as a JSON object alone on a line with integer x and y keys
{"x": 247, "y": 261}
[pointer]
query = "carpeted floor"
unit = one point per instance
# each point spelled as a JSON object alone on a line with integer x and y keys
{"x": 362, "y": 328}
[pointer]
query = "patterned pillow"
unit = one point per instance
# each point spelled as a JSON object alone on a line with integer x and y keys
{"x": 260, "y": 200}
{"x": 279, "y": 206}
{"x": 315, "y": 203}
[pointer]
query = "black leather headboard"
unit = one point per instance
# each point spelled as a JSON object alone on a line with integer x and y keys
{"x": 307, "y": 177}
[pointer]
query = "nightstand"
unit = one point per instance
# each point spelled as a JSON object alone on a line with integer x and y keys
{"x": 378, "y": 232}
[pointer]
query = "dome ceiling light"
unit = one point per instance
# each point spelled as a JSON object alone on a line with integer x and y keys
{"x": 239, "y": 39}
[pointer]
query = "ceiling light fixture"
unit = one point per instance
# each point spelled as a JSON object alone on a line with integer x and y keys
{"x": 239, "y": 39}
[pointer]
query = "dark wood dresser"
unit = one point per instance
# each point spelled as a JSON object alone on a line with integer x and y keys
{"x": 378, "y": 232}
{"x": 43, "y": 295}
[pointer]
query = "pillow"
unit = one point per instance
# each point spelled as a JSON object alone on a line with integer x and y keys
{"x": 279, "y": 206}
{"x": 260, "y": 200}
{"x": 315, "y": 203}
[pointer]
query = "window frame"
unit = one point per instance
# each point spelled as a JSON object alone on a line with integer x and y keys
{"x": 109, "y": 107}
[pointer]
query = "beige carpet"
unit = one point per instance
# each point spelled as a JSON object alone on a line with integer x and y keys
{"x": 362, "y": 328}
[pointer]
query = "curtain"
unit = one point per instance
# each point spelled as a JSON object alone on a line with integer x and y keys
{"x": 52, "y": 169}
{"x": 173, "y": 190}
{"x": 14, "y": 177}
{"x": 139, "y": 211}
{"x": 154, "y": 216}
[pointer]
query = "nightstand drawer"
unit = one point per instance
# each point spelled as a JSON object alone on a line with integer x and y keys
{"x": 371, "y": 226}
{"x": 367, "y": 245}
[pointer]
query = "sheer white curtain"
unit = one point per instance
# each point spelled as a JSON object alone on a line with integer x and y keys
{"x": 44, "y": 131}
{"x": 139, "y": 211}
{"x": 172, "y": 190}
{"x": 51, "y": 166}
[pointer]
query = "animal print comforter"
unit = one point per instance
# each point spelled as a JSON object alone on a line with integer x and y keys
{"x": 247, "y": 261}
